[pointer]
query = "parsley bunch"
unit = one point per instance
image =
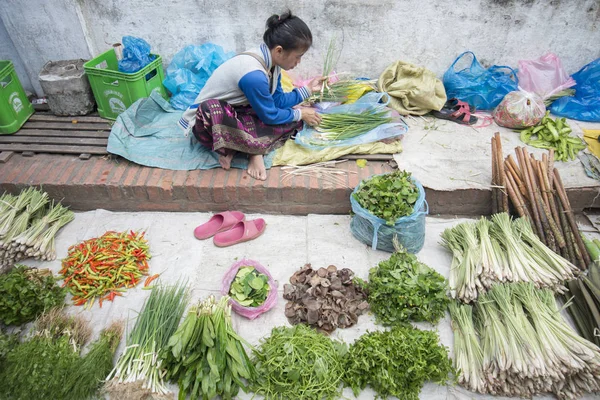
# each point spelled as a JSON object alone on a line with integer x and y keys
{"x": 402, "y": 289}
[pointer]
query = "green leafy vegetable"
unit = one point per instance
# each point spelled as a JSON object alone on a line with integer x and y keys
{"x": 402, "y": 289}
{"x": 250, "y": 288}
{"x": 389, "y": 196}
{"x": 26, "y": 293}
{"x": 397, "y": 362}
{"x": 299, "y": 363}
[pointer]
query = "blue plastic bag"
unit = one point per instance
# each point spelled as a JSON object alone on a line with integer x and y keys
{"x": 374, "y": 231}
{"x": 190, "y": 69}
{"x": 308, "y": 137}
{"x": 585, "y": 105}
{"x": 136, "y": 55}
{"x": 480, "y": 87}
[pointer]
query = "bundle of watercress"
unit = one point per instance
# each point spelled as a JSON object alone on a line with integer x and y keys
{"x": 397, "y": 362}
{"x": 26, "y": 293}
{"x": 402, "y": 289}
{"x": 250, "y": 288}
{"x": 299, "y": 363}
{"x": 388, "y": 196}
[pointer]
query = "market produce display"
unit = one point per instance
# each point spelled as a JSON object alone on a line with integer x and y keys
{"x": 28, "y": 224}
{"x": 205, "y": 356}
{"x": 325, "y": 298}
{"x": 343, "y": 126}
{"x": 397, "y": 362}
{"x": 537, "y": 193}
{"x": 402, "y": 289}
{"x": 140, "y": 364}
{"x": 584, "y": 296}
{"x": 522, "y": 346}
{"x": 388, "y": 196}
{"x": 298, "y": 363}
{"x": 342, "y": 91}
{"x": 250, "y": 288}
{"x": 501, "y": 250}
{"x": 26, "y": 292}
{"x": 554, "y": 134}
{"x": 104, "y": 267}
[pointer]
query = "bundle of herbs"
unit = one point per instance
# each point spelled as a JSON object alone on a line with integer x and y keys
{"x": 28, "y": 224}
{"x": 299, "y": 363}
{"x": 325, "y": 298}
{"x": 336, "y": 127}
{"x": 585, "y": 295}
{"x": 525, "y": 347}
{"x": 397, "y": 362}
{"x": 140, "y": 363}
{"x": 104, "y": 267}
{"x": 205, "y": 356}
{"x": 26, "y": 292}
{"x": 39, "y": 367}
{"x": 342, "y": 91}
{"x": 501, "y": 250}
{"x": 389, "y": 196}
{"x": 250, "y": 288}
{"x": 402, "y": 289}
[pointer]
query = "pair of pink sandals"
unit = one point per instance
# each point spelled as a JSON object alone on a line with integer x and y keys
{"x": 229, "y": 228}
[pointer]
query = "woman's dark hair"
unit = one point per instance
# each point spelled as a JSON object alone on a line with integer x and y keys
{"x": 288, "y": 31}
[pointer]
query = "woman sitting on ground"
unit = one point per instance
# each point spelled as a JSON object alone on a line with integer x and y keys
{"x": 242, "y": 107}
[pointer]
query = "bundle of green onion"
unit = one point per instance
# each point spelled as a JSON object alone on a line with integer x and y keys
{"x": 525, "y": 347}
{"x": 502, "y": 250}
{"x": 343, "y": 126}
{"x": 342, "y": 91}
{"x": 155, "y": 324}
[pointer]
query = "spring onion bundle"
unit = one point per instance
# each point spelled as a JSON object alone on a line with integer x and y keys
{"x": 28, "y": 224}
{"x": 342, "y": 91}
{"x": 525, "y": 347}
{"x": 155, "y": 324}
{"x": 501, "y": 250}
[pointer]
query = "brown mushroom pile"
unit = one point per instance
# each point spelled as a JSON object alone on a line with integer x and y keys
{"x": 325, "y": 298}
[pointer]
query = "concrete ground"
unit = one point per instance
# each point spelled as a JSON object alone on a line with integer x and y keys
{"x": 287, "y": 244}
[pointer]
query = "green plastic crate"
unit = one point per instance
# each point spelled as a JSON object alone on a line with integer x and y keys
{"x": 15, "y": 107}
{"x": 115, "y": 91}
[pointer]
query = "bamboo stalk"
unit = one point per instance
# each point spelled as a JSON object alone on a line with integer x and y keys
{"x": 516, "y": 197}
{"x": 553, "y": 224}
{"x": 550, "y": 240}
{"x": 551, "y": 169}
{"x": 522, "y": 157}
{"x": 570, "y": 245}
{"x": 494, "y": 179}
{"x": 560, "y": 189}
{"x": 538, "y": 166}
{"x": 516, "y": 173}
{"x": 499, "y": 157}
{"x": 515, "y": 167}
{"x": 552, "y": 200}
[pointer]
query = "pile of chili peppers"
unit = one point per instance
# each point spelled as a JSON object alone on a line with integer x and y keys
{"x": 105, "y": 267}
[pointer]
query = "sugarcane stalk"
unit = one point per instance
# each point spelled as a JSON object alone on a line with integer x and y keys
{"x": 560, "y": 189}
{"x": 521, "y": 155}
{"x": 494, "y": 179}
{"x": 503, "y": 205}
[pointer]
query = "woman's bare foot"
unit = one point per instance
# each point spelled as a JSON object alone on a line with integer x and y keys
{"x": 225, "y": 161}
{"x": 256, "y": 167}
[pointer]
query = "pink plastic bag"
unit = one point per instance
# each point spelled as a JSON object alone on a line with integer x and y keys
{"x": 249, "y": 312}
{"x": 544, "y": 76}
{"x": 519, "y": 109}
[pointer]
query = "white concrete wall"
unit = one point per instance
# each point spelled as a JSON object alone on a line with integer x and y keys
{"x": 8, "y": 51}
{"x": 376, "y": 32}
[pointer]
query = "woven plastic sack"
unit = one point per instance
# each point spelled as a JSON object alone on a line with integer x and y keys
{"x": 544, "y": 76}
{"x": 480, "y": 87}
{"x": 309, "y": 137}
{"x": 374, "y": 231}
{"x": 249, "y": 312}
{"x": 585, "y": 105}
{"x": 519, "y": 110}
{"x": 136, "y": 54}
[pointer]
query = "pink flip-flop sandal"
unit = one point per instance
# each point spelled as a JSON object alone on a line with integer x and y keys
{"x": 218, "y": 223}
{"x": 241, "y": 232}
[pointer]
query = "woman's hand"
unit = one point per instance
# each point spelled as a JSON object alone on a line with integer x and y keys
{"x": 316, "y": 84}
{"x": 310, "y": 116}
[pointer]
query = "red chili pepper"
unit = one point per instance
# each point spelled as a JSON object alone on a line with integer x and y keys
{"x": 150, "y": 279}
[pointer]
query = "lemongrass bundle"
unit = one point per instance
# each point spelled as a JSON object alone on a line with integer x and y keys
{"x": 501, "y": 250}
